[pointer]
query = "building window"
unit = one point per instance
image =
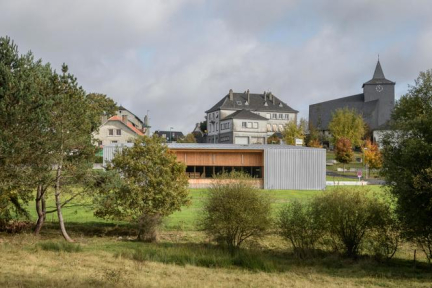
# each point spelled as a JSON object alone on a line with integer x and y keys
{"x": 217, "y": 115}
{"x": 114, "y": 142}
{"x": 274, "y": 116}
{"x": 239, "y": 103}
{"x": 244, "y": 124}
{"x": 255, "y": 125}
{"x": 268, "y": 116}
{"x": 275, "y": 129}
{"x": 280, "y": 116}
{"x": 286, "y": 116}
{"x": 118, "y": 132}
{"x": 269, "y": 128}
{"x": 100, "y": 143}
{"x": 281, "y": 128}
{"x": 249, "y": 124}
{"x": 110, "y": 132}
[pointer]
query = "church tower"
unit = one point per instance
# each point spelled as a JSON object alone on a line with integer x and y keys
{"x": 382, "y": 90}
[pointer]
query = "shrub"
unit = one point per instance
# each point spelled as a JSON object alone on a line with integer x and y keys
{"x": 299, "y": 224}
{"x": 349, "y": 215}
{"x": 234, "y": 212}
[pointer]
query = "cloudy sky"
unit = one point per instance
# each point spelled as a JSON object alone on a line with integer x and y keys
{"x": 176, "y": 58}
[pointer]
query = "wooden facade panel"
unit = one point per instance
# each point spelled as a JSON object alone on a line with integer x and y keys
{"x": 219, "y": 158}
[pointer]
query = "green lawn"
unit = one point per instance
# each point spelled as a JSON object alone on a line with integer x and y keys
{"x": 81, "y": 210}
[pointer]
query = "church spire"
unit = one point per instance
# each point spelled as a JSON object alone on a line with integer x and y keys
{"x": 378, "y": 74}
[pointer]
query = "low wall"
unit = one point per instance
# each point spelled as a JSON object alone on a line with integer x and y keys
{"x": 207, "y": 182}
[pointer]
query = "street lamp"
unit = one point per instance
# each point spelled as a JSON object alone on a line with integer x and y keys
{"x": 171, "y": 128}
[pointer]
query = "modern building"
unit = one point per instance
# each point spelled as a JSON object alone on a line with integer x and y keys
{"x": 247, "y": 118}
{"x": 119, "y": 129}
{"x": 271, "y": 166}
{"x": 375, "y": 104}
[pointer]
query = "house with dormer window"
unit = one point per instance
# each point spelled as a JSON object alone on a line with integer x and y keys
{"x": 247, "y": 118}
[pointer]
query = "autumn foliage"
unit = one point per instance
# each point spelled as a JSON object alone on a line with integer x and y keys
{"x": 372, "y": 155}
{"x": 343, "y": 151}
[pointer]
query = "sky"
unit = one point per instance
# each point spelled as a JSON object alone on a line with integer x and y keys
{"x": 174, "y": 59}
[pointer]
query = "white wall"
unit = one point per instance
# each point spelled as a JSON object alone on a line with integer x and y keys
{"x": 103, "y": 133}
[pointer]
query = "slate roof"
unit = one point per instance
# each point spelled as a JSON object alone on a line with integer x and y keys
{"x": 123, "y": 108}
{"x": 257, "y": 102}
{"x": 129, "y": 125}
{"x": 244, "y": 114}
{"x": 320, "y": 113}
{"x": 378, "y": 77}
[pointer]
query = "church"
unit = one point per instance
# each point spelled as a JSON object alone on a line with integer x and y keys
{"x": 375, "y": 104}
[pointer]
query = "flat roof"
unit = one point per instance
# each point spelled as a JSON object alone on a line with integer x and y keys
{"x": 217, "y": 146}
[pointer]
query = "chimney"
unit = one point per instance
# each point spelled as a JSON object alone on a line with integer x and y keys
{"x": 248, "y": 96}
{"x": 265, "y": 96}
{"x": 270, "y": 96}
{"x": 231, "y": 95}
{"x": 104, "y": 118}
{"x": 274, "y": 99}
{"x": 124, "y": 119}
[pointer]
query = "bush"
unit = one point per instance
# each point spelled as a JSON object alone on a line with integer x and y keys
{"x": 349, "y": 215}
{"x": 234, "y": 212}
{"x": 299, "y": 224}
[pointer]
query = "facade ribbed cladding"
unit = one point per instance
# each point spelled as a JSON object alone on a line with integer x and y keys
{"x": 302, "y": 169}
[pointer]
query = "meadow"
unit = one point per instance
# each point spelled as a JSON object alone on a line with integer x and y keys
{"x": 106, "y": 255}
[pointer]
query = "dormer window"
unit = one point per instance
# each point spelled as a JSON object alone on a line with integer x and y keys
{"x": 265, "y": 104}
{"x": 246, "y": 103}
{"x": 239, "y": 103}
{"x": 280, "y": 105}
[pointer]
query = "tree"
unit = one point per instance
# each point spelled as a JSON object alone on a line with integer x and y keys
{"x": 101, "y": 105}
{"x": 153, "y": 184}
{"x": 291, "y": 132}
{"x": 407, "y": 161}
{"x": 235, "y": 211}
{"x": 24, "y": 124}
{"x": 313, "y": 138}
{"x": 372, "y": 155}
{"x": 189, "y": 138}
{"x": 274, "y": 139}
{"x": 343, "y": 151}
{"x": 347, "y": 123}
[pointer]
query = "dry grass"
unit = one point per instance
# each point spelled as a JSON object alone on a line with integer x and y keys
{"x": 24, "y": 264}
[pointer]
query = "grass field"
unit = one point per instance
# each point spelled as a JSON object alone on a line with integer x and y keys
{"x": 107, "y": 255}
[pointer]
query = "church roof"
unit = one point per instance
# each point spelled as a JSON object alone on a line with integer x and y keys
{"x": 321, "y": 113}
{"x": 378, "y": 77}
{"x": 259, "y": 102}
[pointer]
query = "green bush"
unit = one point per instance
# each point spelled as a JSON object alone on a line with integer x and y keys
{"x": 60, "y": 246}
{"x": 349, "y": 216}
{"x": 299, "y": 224}
{"x": 235, "y": 211}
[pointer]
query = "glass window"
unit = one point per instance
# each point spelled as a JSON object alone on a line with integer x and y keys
{"x": 275, "y": 129}
{"x": 274, "y": 116}
{"x": 249, "y": 124}
{"x": 280, "y": 116}
{"x": 269, "y": 128}
{"x": 268, "y": 115}
{"x": 244, "y": 124}
{"x": 118, "y": 132}
{"x": 114, "y": 142}
{"x": 255, "y": 125}
{"x": 286, "y": 116}
{"x": 281, "y": 127}
{"x": 111, "y": 132}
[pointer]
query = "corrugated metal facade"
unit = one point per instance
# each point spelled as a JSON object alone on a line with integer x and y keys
{"x": 285, "y": 167}
{"x": 297, "y": 169}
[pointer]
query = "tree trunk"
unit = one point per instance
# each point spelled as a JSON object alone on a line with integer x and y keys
{"x": 58, "y": 205}
{"x": 40, "y": 209}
